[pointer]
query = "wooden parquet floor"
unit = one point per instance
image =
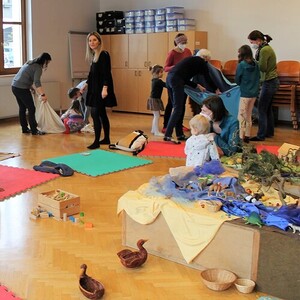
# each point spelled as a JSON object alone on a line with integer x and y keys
{"x": 40, "y": 260}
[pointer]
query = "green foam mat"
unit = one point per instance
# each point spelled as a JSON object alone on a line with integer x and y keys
{"x": 99, "y": 162}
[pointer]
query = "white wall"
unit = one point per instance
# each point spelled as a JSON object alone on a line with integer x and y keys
{"x": 50, "y": 24}
{"x": 229, "y": 22}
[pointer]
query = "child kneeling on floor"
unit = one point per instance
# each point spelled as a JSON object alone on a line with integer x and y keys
{"x": 200, "y": 146}
{"x": 73, "y": 118}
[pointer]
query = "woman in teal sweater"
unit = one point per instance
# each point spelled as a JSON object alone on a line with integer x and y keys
{"x": 224, "y": 127}
{"x": 247, "y": 77}
{"x": 266, "y": 58}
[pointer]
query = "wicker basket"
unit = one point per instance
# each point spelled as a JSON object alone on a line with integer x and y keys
{"x": 218, "y": 279}
{"x": 213, "y": 206}
{"x": 244, "y": 286}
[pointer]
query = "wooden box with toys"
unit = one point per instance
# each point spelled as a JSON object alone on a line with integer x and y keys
{"x": 59, "y": 202}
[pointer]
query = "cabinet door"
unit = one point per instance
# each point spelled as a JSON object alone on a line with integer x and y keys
{"x": 132, "y": 90}
{"x": 120, "y": 78}
{"x": 138, "y": 51}
{"x": 106, "y": 42}
{"x": 157, "y": 48}
{"x": 119, "y": 50}
{"x": 144, "y": 88}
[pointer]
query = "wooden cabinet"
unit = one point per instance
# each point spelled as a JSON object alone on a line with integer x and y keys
{"x": 131, "y": 57}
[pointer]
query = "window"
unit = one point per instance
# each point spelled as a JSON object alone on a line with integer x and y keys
{"x": 13, "y": 36}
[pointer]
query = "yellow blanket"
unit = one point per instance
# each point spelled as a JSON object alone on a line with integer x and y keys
{"x": 192, "y": 227}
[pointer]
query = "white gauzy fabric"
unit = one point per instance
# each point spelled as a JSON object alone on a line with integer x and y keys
{"x": 47, "y": 119}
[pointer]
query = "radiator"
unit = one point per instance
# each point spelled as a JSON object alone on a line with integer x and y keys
{"x": 8, "y": 104}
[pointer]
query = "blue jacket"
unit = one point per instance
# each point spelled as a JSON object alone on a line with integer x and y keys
{"x": 247, "y": 77}
{"x": 228, "y": 140}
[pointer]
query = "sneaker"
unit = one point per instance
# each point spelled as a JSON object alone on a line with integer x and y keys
{"x": 38, "y": 132}
{"x": 158, "y": 134}
{"x": 182, "y": 138}
{"x": 26, "y": 131}
{"x": 88, "y": 128}
{"x": 170, "y": 139}
{"x": 185, "y": 128}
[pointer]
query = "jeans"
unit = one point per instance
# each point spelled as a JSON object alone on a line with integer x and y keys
{"x": 25, "y": 102}
{"x": 176, "y": 91}
{"x": 265, "y": 112}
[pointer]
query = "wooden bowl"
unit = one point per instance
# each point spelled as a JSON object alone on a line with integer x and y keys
{"x": 244, "y": 286}
{"x": 218, "y": 279}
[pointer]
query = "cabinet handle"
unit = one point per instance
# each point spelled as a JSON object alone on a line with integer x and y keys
{"x": 140, "y": 73}
{"x": 145, "y": 64}
{"x": 149, "y": 63}
{"x": 135, "y": 73}
{"x": 126, "y": 63}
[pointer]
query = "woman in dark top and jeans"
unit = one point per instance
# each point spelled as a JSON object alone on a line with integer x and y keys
{"x": 100, "y": 88}
{"x": 22, "y": 84}
{"x": 177, "y": 78}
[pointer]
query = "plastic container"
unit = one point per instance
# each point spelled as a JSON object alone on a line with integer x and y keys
{"x": 186, "y": 27}
{"x": 160, "y": 23}
{"x": 139, "y": 30}
{"x": 149, "y": 24}
{"x": 160, "y": 28}
{"x": 129, "y": 25}
{"x": 129, "y": 30}
{"x": 139, "y": 25}
{"x": 188, "y": 22}
{"x": 139, "y": 13}
{"x": 160, "y": 11}
{"x": 171, "y": 22}
{"x": 160, "y": 17}
{"x": 150, "y": 29}
{"x": 129, "y": 13}
{"x": 149, "y": 12}
{"x": 129, "y": 19}
{"x": 171, "y": 28}
{"x": 175, "y": 16}
{"x": 174, "y": 9}
{"x": 139, "y": 19}
{"x": 149, "y": 18}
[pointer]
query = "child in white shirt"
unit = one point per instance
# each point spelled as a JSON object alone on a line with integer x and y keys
{"x": 200, "y": 146}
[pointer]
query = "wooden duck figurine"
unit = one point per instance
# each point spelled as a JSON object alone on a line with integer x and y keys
{"x": 90, "y": 287}
{"x": 134, "y": 259}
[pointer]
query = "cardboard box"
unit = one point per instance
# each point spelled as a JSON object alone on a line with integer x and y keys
{"x": 59, "y": 202}
{"x": 289, "y": 152}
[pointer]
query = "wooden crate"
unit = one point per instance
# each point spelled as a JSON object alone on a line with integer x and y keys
{"x": 59, "y": 202}
{"x": 234, "y": 247}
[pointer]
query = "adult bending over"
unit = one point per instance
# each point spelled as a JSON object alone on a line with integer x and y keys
{"x": 22, "y": 84}
{"x": 177, "y": 78}
{"x": 175, "y": 56}
{"x": 224, "y": 126}
{"x": 266, "y": 58}
{"x": 100, "y": 88}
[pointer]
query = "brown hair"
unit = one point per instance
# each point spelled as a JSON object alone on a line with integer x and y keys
{"x": 216, "y": 105}
{"x": 245, "y": 53}
{"x": 155, "y": 70}
{"x": 256, "y": 34}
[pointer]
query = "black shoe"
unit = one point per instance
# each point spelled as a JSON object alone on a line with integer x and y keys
{"x": 38, "y": 133}
{"x": 104, "y": 142}
{"x": 170, "y": 139}
{"x": 26, "y": 131}
{"x": 256, "y": 139}
{"x": 182, "y": 138}
{"x": 246, "y": 139}
{"x": 94, "y": 146}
